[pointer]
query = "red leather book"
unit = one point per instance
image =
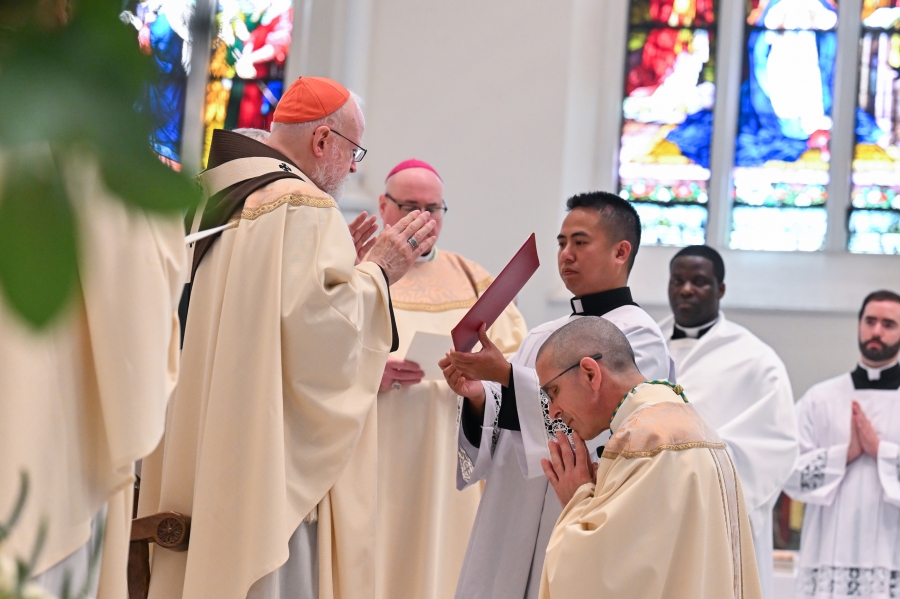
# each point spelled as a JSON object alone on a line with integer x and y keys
{"x": 497, "y": 296}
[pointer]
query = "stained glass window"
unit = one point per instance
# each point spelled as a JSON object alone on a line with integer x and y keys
{"x": 667, "y": 117}
{"x": 246, "y": 66}
{"x": 163, "y": 33}
{"x": 874, "y": 222}
{"x": 781, "y": 165}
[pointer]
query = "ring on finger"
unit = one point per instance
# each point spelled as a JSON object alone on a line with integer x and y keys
{"x": 412, "y": 241}
{"x": 396, "y": 385}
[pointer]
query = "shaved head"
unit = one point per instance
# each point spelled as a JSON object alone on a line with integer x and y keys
{"x": 588, "y": 336}
{"x": 585, "y": 368}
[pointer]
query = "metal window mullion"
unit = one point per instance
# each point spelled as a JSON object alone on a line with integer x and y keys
{"x": 729, "y": 65}
{"x": 193, "y": 128}
{"x": 843, "y": 131}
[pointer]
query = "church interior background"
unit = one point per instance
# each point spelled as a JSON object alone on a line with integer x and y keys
{"x": 768, "y": 129}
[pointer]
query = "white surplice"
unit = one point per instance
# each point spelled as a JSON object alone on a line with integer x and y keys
{"x": 519, "y": 508}
{"x": 850, "y": 542}
{"x": 740, "y": 387}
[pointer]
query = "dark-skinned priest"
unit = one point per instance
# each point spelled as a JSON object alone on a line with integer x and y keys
{"x": 738, "y": 384}
{"x": 505, "y": 425}
{"x": 270, "y": 441}
{"x": 662, "y": 514}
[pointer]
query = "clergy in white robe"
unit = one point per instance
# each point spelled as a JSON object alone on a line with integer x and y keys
{"x": 84, "y": 399}
{"x": 662, "y": 515}
{"x": 848, "y": 471}
{"x": 270, "y": 441}
{"x": 738, "y": 385}
{"x": 505, "y": 444}
{"x": 423, "y": 521}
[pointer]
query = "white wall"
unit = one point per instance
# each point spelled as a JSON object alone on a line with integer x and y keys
{"x": 516, "y": 103}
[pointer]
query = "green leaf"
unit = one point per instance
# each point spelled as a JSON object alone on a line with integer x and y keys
{"x": 18, "y": 506}
{"x": 140, "y": 179}
{"x": 38, "y": 246}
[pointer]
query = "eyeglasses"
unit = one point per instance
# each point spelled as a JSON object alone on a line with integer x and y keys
{"x": 359, "y": 153}
{"x": 406, "y": 208}
{"x": 595, "y": 357}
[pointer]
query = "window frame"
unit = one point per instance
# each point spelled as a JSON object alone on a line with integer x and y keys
{"x": 731, "y": 23}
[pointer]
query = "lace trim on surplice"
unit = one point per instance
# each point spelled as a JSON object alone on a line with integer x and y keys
{"x": 813, "y": 475}
{"x": 550, "y": 425}
{"x": 838, "y": 583}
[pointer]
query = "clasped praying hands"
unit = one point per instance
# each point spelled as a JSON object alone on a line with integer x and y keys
{"x": 863, "y": 438}
{"x": 566, "y": 470}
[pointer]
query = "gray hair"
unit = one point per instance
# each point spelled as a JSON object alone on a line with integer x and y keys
{"x": 588, "y": 336}
{"x": 257, "y": 134}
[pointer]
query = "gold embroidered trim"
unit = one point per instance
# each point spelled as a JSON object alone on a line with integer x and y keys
{"x": 677, "y": 447}
{"x": 292, "y": 199}
{"x": 609, "y": 454}
{"x": 419, "y": 307}
{"x": 480, "y": 286}
{"x": 740, "y": 532}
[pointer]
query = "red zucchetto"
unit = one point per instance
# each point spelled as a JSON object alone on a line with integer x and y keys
{"x": 310, "y": 99}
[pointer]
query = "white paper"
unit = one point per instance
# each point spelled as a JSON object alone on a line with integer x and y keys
{"x": 425, "y": 350}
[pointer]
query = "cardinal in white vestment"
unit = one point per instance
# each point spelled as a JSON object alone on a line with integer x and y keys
{"x": 848, "y": 471}
{"x": 738, "y": 384}
{"x": 423, "y": 520}
{"x": 662, "y": 515}
{"x": 504, "y": 422}
{"x": 83, "y": 400}
{"x": 270, "y": 441}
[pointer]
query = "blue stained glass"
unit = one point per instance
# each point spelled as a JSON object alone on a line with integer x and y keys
{"x": 778, "y": 229}
{"x": 163, "y": 32}
{"x": 784, "y": 129}
{"x": 875, "y": 232}
{"x": 672, "y": 225}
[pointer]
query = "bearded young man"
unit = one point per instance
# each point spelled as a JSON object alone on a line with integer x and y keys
{"x": 504, "y": 420}
{"x": 738, "y": 384}
{"x": 848, "y": 472}
{"x": 270, "y": 439}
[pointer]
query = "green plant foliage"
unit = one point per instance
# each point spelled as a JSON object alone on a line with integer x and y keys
{"x": 74, "y": 86}
{"x": 18, "y": 585}
{"x": 38, "y": 251}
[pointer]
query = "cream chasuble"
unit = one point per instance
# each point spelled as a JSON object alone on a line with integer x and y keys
{"x": 423, "y": 521}
{"x": 516, "y": 515}
{"x": 666, "y": 518}
{"x": 285, "y": 345}
{"x": 80, "y": 402}
{"x": 740, "y": 387}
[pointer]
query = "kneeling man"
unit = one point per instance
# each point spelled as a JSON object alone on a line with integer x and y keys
{"x": 662, "y": 514}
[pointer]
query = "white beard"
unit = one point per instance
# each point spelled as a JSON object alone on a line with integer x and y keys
{"x": 330, "y": 178}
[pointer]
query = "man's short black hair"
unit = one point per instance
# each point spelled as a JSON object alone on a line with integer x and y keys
{"x": 704, "y": 251}
{"x": 620, "y": 219}
{"x": 882, "y": 295}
